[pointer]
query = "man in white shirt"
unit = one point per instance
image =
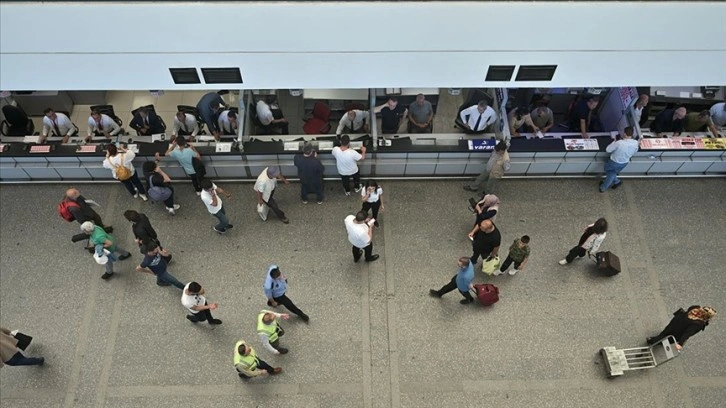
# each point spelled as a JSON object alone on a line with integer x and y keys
{"x": 57, "y": 124}
{"x": 360, "y": 235}
{"x": 195, "y": 302}
{"x": 346, "y": 159}
{"x": 477, "y": 117}
{"x": 355, "y": 120}
{"x": 185, "y": 124}
{"x": 620, "y": 153}
{"x": 718, "y": 114}
{"x": 228, "y": 122}
{"x": 265, "y": 188}
{"x": 210, "y": 198}
{"x": 271, "y": 116}
{"x": 101, "y": 124}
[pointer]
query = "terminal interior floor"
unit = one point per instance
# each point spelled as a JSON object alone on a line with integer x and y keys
{"x": 375, "y": 338}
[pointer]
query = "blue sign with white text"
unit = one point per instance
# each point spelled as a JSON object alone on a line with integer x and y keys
{"x": 482, "y": 144}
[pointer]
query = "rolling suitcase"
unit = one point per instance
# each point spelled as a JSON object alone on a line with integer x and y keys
{"x": 607, "y": 263}
{"x": 486, "y": 293}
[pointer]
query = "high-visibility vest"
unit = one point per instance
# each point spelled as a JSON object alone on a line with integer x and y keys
{"x": 249, "y": 361}
{"x": 269, "y": 329}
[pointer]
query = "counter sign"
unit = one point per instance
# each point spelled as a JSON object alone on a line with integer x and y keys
{"x": 482, "y": 144}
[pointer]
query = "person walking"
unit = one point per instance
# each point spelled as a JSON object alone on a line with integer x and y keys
{"x": 497, "y": 164}
{"x": 275, "y": 287}
{"x": 310, "y": 171}
{"x": 265, "y": 188}
{"x": 100, "y": 237}
{"x": 268, "y": 327}
{"x": 81, "y": 209}
{"x": 210, "y": 198}
{"x": 372, "y": 196}
{"x": 195, "y": 302}
{"x": 360, "y": 235}
{"x": 185, "y": 154}
{"x": 684, "y": 324}
{"x": 462, "y": 281}
{"x": 485, "y": 241}
{"x": 248, "y": 365}
{"x": 142, "y": 229}
{"x": 620, "y": 153}
{"x": 119, "y": 161}
{"x": 519, "y": 254}
{"x": 11, "y": 350}
{"x": 590, "y": 241}
{"x": 346, "y": 160}
{"x": 486, "y": 209}
{"x": 154, "y": 263}
{"x": 159, "y": 186}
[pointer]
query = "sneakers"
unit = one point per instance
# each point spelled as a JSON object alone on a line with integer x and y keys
{"x": 124, "y": 256}
{"x": 108, "y": 229}
{"x": 144, "y": 197}
{"x": 376, "y": 224}
{"x": 513, "y": 272}
{"x": 172, "y": 210}
{"x": 347, "y": 193}
{"x": 199, "y": 193}
{"x": 434, "y": 293}
{"x": 215, "y": 321}
{"x": 469, "y": 188}
{"x": 41, "y": 361}
{"x": 373, "y": 258}
{"x": 276, "y": 370}
{"x": 497, "y": 273}
{"x": 136, "y": 195}
{"x": 283, "y": 350}
{"x": 285, "y": 220}
{"x": 320, "y": 202}
{"x": 359, "y": 188}
{"x": 563, "y": 262}
{"x": 465, "y": 301}
{"x": 218, "y": 231}
{"x": 614, "y": 186}
{"x": 106, "y": 276}
{"x": 305, "y": 317}
{"x": 230, "y": 226}
{"x": 304, "y": 201}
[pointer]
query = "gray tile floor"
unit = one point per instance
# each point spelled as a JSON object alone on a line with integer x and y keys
{"x": 375, "y": 339}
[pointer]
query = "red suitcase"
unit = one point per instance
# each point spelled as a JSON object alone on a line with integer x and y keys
{"x": 486, "y": 293}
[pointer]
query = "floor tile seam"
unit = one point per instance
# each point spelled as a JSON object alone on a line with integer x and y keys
{"x": 518, "y": 385}
{"x": 250, "y": 387}
{"x": 391, "y": 318}
{"x": 58, "y": 394}
{"x": 706, "y": 382}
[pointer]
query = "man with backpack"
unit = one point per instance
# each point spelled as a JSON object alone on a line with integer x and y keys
{"x": 75, "y": 207}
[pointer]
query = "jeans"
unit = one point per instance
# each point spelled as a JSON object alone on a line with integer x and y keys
{"x": 274, "y": 207}
{"x": 306, "y": 189}
{"x": 368, "y": 252}
{"x": 109, "y": 264}
{"x": 133, "y": 184}
{"x": 195, "y": 182}
{"x": 166, "y": 277}
{"x": 346, "y": 181}
{"x": 372, "y": 206}
{"x": 451, "y": 286}
{"x": 285, "y": 301}
{"x": 18, "y": 359}
{"x": 222, "y": 218}
{"x": 612, "y": 169}
{"x": 576, "y": 252}
{"x": 507, "y": 262}
{"x": 169, "y": 202}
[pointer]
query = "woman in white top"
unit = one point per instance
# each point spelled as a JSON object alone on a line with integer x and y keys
{"x": 372, "y": 197}
{"x": 589, "y": 243}
{"x": 118, "y": 160}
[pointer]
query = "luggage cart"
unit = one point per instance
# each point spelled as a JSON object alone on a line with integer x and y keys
{"x": 617, "y": 361}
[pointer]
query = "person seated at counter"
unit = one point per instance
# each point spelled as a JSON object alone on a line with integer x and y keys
{"x": 228, "y": 122}
{"x": 185, "y": 124}
{"x": 420, "y": 115}
{"x": 477, "y": 117}
{"x": 718, "y": 114}
{"x": 146, "y": 122}
{"x": 583, "y": 118}
{"x": 392, "y": 114}
{"x": 57, "y": 124}
{"x": 100, "y": 124}
{"x": 641, "y": 106}
{"x": 670, "y": 120}
{"x": 700, "y": 122}
{"x": 270, "y": 115}
{"x": 209, "y": 107}
{"x": 354, "y": 121}
{"x": 521, "y": 121}
{"x": 542, "y": 116}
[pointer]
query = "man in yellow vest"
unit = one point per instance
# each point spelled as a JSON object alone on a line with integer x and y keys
{"x": 270, "y": 331}
{"x": 247, "y": 363}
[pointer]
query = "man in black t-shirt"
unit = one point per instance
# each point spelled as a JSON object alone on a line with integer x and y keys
{"x": 485, "y": 241}
{"x": 155, "y": 263}
{"x": 583, "y": 118}
{"x": 391, "y": 115}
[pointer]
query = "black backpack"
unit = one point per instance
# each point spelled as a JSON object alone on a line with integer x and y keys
{"x": 199, "y": 168}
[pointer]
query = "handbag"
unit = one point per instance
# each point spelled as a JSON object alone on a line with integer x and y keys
{"x": 490, "y": 265}
{"x": 262, "y": 211}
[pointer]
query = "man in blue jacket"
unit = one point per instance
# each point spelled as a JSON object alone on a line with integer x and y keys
{"x": 275, "y": 287}
{"x": 209, "y": 109}
{"x": 462, "y": 281}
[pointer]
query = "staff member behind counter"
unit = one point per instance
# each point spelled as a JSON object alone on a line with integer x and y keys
{"x": 101, "y": 124}
{"x": 700, "y": 122}
{"x": 477, "y": 117}
{"x": 670, "y": 120}
{"x": 355, "y": 121}
{"x": 718, "y": 114}
{"x": 57, "y": 124}
{"x": 392, "y": 114}
{"x": 209, "y": 108}
{"x": 583, "y": 118}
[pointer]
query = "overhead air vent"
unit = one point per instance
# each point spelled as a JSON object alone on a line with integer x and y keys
{"x": 536, "y": 72}
{"x": 185, "y": 76}
{"x": 500, "y": 72}
{"x": 222, "y": 75}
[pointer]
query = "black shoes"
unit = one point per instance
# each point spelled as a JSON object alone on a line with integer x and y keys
{"x": 465, "y": 301}
{"x": 163, "y": 284}
{"x": 305, "y": 317}
{"x": 215, "y": 321}
{"x": 42, "y": 361}
{"x": 106, "y": 275}
{"x": 191, "y": 319}
{"x": 285, "y": 220}
{"x": 614, "y": 186}
{"x": 434, "y": 293}
{"x": 373, "y": 258}
{"x": 469, "y": 188}
{"x": 122, "y": 257}
{"x": 283, "y": 350}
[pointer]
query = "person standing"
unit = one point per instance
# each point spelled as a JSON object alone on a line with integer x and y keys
{"x": 346, "y": 160}
{"x": 11, "y": 353}
{"x": 462, "y": 281}
{"x": 310, "y": 171}
{"x": 372, "y": 196}
{"x": 209, "y": 107}
{"x": 142, "y": 229}
{"x": 519, "y": 254}
{"x": 210, "y": 198}
{"x": 520, "y": 120}
{"x": 718, "y": 114}
{"x": 275, "y": 287}
{"x": 119, "y": 161}
{"x": 485, "y": 241}
{"x": 700, "y": 122}
{"x": 542, "y": 116}
{"x": 155, "y": 263}
{"x": 684, "y": 324}
{"x": 669, "y": 120}
{"x": 486, "y": 209}
{"x": 392, "y": 114}
{"x": 248, "y": 365}
{"x": 360, "y": 235}
{"x": 270, "y": 331}
{"x": 82, "y": 210}
{"x": 497, "y": 164}
{"x": 185, "y": 154}
{"x": 195, "y": 302}
{"x": 590, "y": 241}
{"x": 108, "y": 241}
{"x": 477, "y": 118}
{"x": 620, "y": 153}
{"x": 420, "y": 115}
{"x": 641, "y": 107}
{"x": 227, "y": 122}
{"x": 159, "y": 186}
{"x": 354, "y": 120}
{"x": 583, "y": 118}
{"x": 265, "y": 189}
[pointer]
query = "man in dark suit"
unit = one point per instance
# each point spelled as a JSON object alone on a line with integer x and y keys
{"x": 146, "y": 122}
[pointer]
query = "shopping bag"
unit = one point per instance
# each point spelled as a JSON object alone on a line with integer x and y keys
{"x": 490, "y": 265}
{"x": 262, "y": 210}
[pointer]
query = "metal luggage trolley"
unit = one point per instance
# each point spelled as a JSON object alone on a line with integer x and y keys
{"x": 617, "y": 361}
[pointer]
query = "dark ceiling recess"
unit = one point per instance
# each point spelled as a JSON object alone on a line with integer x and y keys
{"x": 535, "y": 72}
{"x": 500, "y": 72}
{"x": 185, "y": 76}
{"x": 222, "y": 75}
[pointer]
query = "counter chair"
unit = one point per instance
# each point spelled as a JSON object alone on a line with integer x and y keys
{"x": 261, "y": 129}
{"x": 192, "y": 110}
{"x": 319, "y": 122}
{"x": 16, "y": 123}
{"x": 151, "y": 109}
{"x": 108, "y": 110}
